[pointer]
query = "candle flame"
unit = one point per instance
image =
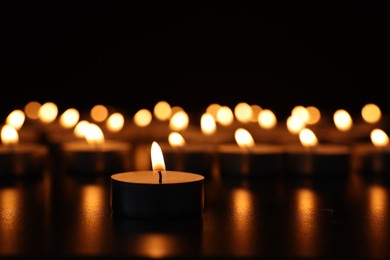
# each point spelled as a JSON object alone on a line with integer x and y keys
{"x": 267, "y": 119}
{"x": 158, "y": 163}
{"x": 225, "y": 116}
{"x": 115, "y": 122}
{"x": 179, "y": 121}
{"x": 308, "y": 138}
{"x": 93, "y": 134}
{"x": 207, "y": 124}
{"x": 175, "y": 139}
{"x": 379, "y": 138}
{"x": 16, "y": 118}
{"x": 295, "y": 124}
{"x": 99, "y": 113}
{"x": 371, "y": 113}
{"x": 243, "y": 138}
{"x": 143, "y": 117}
{"x": 48, "y": 112}
{"x": 342, "y": 119}
{"x": 69, "y": 118}
{"x": 9, "y": 135}
{"x": 162, "y": 110}
{"x": 243, "y": 112}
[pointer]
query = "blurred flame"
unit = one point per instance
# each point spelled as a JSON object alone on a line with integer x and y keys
{"x": 371, "y": 113}
{"x": 115, "y": 122}
{"x": 243, "y": 112}
{"x": 308, "y": 138}
{"x": 69, "y": 118}
{"x": 16, "y": 118}
{"x": 158, "y": 163}
{"x": 207, "y": 124}
{"x": 93, "y": 134}
{"x": 162, "y": 110}
{"x": 175, "y": 139}
{"x": 314, "y": 115}
{"x": 379, "y": 138}
{"x": 266, "y": 119}
{"x": 9, "y": 135}
{"x": 255, "y": 112}
{"x": 342, "y": 120}
{"x": 32, "y": 109}
{"x": 99, "y": 113}
{"x": 81, "y": 128}
{"x": 143, "y": 117}
{"x": 48, "y": 112}
{"x": 212, "y": 109}
{"x": 295, "y": 124}
{"x": 301, "y": 112}
{"x": 243, "y": 138}
{"x": 179, "y": 121}
{"x": 225, "y": 116}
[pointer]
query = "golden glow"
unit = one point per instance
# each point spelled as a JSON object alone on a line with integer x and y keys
{"x": 115, "y": 122}
{"x": 243, "y": 138}
{"x": 379, "y": 137}
{"x": 371, "y": 113}
{"x": 294, "y": 124}
{"x": 81, "y": 128}
{"x": 175, "y": 139}
{"x": 176, "y": 109}
{"x": 308, "y": 138}
{"x": 378, "y": 201}
{"x": 212, "y": 109}
{"x": 314, "y": 115}
{"x": 16, "y": 118}
{"x": 162, "y": 110}
{"x": 32, "y": 109}
{"x": 255, "y": 112}
{"x": 267, "y": 119}
{"x": 179, "y": 121}
{"x": 143, "y": 117}
{"x": 99, "y": 113}
{"x": 156, "y": 246}
{"x": 243, "y": 112}
{"x": 342, "y": 120}
{"x": 48, "y": 112}
{"x": 9, "y": 135}
{"x": 94, "y": 135}
{"x": 69, "y": 118}
{"x": 207, "y": 124}
{"x": 158, "y": 163}
{"x": 301, "y": 112}
{"x": 225, "y": 116}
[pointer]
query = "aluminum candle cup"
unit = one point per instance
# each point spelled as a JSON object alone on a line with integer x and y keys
{"x": 157, "y": 194}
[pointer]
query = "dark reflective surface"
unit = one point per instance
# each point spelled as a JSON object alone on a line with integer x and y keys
{"x": 62, "y": 214}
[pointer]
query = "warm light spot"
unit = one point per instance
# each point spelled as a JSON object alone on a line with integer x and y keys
{"x": 162, "y": 110}
{"x": 179, "y": 121}
{"x": 16, "y": 118}
{"x": 242, "y": 201}
{"x": 156, "y": 246}
{"x": 175, "y": 139}
{"x": 212, "y": 109}
{"x": 371, "y": 113}
{"x": 9, "y": 135}
{"x": 378, "y": 202}
{"x": 69, "y": 118}
{"x": 48, "y": 112}
{"x": 243, "y": 112}
{"x": 32, "y": 109}
{"x": 314, "y": 115}
{"x": 94, "y": 135}
{"x": 143, "y": 117}
{"x": 115, "y": 122}
{"x": 255, "y": 112}
{"x": 81, "y": 128}
{"x": 308, "y": 138}
{"x": 243, "y": 138}
{"x": 99, "y": 113}
{"x": 158, "y": 163}
{"x": 225, "y": 116}
{"x": 306, "y": 201}
{"x": 342, "y": 120}
{"x": 379, "y": 138}
{"x": 295, "y": 124}
{"x": 301, "y": 112}
{"x": 207, "y": 124}
{"x": 267, "y": 119}
{"x": 176, "y": 109}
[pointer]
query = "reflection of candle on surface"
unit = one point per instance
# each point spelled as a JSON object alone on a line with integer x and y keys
{"x": 373, "y": 158}
{"x": 247, "y": 159}
{"x": 95, "y": 155}
{"x": 314, "y": 159}
{"x": 20, "y": 159}
{"x": 157, "y": 193}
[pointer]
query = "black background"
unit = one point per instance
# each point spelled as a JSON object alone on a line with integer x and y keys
{"x": 132, "y": 55}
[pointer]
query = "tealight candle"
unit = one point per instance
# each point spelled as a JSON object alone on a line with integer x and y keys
{"x": 95, "y": 155}
{"x": 20, "y": 159}
{"x": 247, "y": 159}
{"x": 312, "y": 159}
{"x": 157, "y": 193}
